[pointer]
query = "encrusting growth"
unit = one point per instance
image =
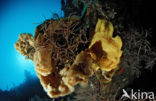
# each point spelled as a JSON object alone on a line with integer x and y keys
{"x": 59, "y": 60}
{"x": 25, "y": 45}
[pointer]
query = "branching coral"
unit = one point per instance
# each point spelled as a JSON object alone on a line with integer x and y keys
{"x": 80, "y": 48}
{"x": 58, "y": 38}
{"x": 60, "y": 73}
{"x": 138, "y": 54}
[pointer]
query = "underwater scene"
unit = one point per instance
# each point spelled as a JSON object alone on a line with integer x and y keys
{"x": 77, "y": 50}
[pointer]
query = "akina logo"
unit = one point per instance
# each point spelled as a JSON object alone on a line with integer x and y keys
{"x": 137, "y": 95}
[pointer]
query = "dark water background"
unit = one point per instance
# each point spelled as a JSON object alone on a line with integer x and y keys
{"x": 143, "y": 13}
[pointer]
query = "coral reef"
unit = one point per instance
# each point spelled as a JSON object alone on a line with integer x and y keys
{"x": 85, "y": 48}
{"x": 54, "y": 51}
{"x": 60, "y": 80}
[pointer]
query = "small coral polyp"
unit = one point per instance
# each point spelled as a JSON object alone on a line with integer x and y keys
{"x": 101, "y": 57}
